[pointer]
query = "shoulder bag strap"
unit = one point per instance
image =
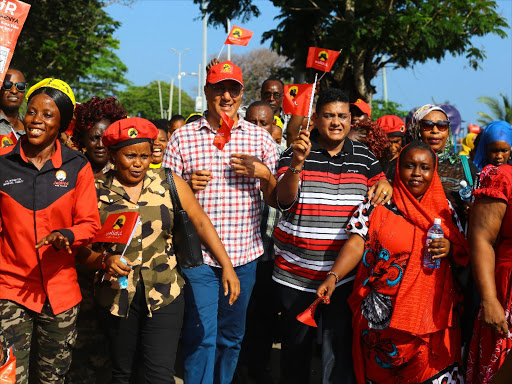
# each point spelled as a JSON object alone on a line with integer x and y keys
{"x": 173, "y": 191}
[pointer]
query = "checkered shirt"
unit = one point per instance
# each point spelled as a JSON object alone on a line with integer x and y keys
{"x": 231, "y": 201}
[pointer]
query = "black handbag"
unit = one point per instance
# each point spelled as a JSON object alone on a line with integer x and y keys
{"x": 187, "y": 246}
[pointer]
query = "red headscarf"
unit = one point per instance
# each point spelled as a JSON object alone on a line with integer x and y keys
{"x": 426, "y": 297}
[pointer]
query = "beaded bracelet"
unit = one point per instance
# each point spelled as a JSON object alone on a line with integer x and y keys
{"x": 335, "y": 275}
{"x": 103, "y": 260}
{"x": 295, "y": 171}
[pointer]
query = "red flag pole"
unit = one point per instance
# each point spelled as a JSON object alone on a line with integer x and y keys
{"x": 311, "y": 102}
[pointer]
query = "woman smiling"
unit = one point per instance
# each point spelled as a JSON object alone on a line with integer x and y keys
{"x": 48, "y": 208}
{"x": 405, "y": 319}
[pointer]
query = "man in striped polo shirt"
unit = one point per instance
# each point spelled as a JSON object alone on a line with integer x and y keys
{"x": 322, "y": 178}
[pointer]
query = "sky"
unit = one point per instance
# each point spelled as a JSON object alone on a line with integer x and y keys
{"x": 150, "y": 28}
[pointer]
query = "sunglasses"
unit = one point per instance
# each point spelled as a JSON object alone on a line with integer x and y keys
{"x": 428, "y": 125}
{"x": 234, "y": 91}
{"x": 20, "y": 86}
{"x": 275, "y": 95}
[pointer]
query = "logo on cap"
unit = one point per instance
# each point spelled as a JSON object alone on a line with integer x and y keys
{"x": 293, "y": 92}
{"x": 226, "y": 68}
{"x": 402, "y": 128}
{"x": 60, "y": 175}
{"x": 119, "y": 222}
{"x": 133, "y": 133}
{"x": 7, "y": 142}
{"x": 323, "y": 55}
{"x": 237, "y": 33}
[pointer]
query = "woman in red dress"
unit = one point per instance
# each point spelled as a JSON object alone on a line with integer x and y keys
{"x": 490, "y": 239}
{"x": 405, "y": 315}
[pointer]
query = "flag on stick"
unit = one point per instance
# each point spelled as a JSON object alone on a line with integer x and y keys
{"x": 223, "y": 134}
{"x": 239, "y": 36}
{"x": 118, "y": 228}
{"x": 297, "y": 98}
{"x": 321, "y": 59}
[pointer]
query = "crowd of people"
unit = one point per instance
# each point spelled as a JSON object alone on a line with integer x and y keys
{"x": 338, "y": 209}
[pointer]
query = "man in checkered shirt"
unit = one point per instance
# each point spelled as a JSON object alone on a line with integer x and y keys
{"x": 227, "y": 184}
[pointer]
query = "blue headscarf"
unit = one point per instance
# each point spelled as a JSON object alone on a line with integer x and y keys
{"x": 496, "y": 131}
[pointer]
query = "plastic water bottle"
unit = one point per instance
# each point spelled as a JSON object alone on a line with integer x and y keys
{"x": 123, "y": 280}
{"x": 435, "y": 232}
{"x": 465, "y": 191}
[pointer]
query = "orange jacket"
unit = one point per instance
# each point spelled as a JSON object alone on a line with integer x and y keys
{"x": 33, "y": 203}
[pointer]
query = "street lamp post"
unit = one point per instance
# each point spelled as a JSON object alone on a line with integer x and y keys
{"x": 179, "y": 76}
{"x": 171, "y": 90}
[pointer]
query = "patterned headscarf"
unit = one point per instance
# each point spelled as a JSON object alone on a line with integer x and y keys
{"x": 496, "y": 131}
{"x": 447, "y": 152}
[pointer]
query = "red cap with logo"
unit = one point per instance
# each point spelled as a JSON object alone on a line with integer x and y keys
{"x": 391, "y": 125}
{"x": 363, "y": 107}
{"x": 129, "y": 131}
{"x": 225, "y": 71}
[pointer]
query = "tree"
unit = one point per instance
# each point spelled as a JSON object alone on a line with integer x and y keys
{"x": 258, "y": 65}
{"x": 144, "y": 101}
{"x": 499, "y": 111}
{"x": 381, "y": 108}
{"x": 372, "y": 33}
{"x": 73, "y": 41}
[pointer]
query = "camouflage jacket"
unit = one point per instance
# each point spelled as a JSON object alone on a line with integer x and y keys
{"x": 150, "y": 250}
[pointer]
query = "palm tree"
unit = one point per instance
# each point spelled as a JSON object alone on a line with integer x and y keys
{"x": 500, "y": 112}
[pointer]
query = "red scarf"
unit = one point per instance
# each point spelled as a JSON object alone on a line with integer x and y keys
{"x": 426, "y": 299}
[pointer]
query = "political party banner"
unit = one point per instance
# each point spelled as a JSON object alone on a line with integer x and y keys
{"x": 297, "y": 98}
{"x": 13, "y": 14}
{"x": 238, "y": 36}
{"x": 321, "y": 59}
{"x": 223, "y": 134}
{"x": 8, "y": 140}
{"x": 118, "y": 228}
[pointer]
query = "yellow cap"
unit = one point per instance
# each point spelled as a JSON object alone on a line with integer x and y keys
{"x": 53, "y": 83}
{"x": 278, "y": 122}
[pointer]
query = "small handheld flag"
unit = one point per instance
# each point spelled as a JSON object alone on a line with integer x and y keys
{"x": 308, "y": 316}
{"x": 297, "y": 98}
{"x": 321, "y": 59}
{"x": 118, "y": 228}
{"x": 239, "y": 36}
{"x": 223, "y": 134}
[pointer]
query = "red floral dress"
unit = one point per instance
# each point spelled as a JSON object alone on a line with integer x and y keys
{"x": 488, "y": 351}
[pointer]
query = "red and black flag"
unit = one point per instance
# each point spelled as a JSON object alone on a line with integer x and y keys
{"x": 321, "y": 59}
{"x": 297, "y": 98}
{"x": 238, "y": 36}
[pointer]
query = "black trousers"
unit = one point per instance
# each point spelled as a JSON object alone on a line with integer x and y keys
{"x": 334, "y": 329}
{"x": 157, "y": 335}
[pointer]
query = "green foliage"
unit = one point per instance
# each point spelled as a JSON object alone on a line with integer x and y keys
{"x": 499, "y": 111}
{"x": 373, "y": 33}
{"x": 144, "y": 101}
{"x": 381, "y": 108}
{"x": 73, "y": 41}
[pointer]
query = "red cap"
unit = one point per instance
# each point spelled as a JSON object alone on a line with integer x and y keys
{"x": 225, "y": 71}
{"x": 129, "y": 131}
{"x": 363, "y": 107}
{"x": 391, "y": 124}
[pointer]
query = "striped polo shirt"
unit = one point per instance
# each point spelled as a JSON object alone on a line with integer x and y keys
{"x": 312, "y": 230}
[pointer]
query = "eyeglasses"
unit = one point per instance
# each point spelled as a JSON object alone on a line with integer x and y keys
{"x": 428, "y": 125}
{"x": 20, "y": 86}
{"x": 234, "y": 91}
{"x": 275, "y": 95}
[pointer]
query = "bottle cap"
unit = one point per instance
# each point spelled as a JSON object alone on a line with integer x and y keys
{"x": 463, "y": 183}
{"x": 437, "y": 221}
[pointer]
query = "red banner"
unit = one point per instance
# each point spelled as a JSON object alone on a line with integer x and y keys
{"x": 13, "y": 14}
{"x": 238, "y": 36}
{"x": 223, "y": 134}
{"x": 297, "y": 98}
{"x": 8, "y": 140}
{"x": 118, "y": 228}
{"x": 321, "y": 59}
